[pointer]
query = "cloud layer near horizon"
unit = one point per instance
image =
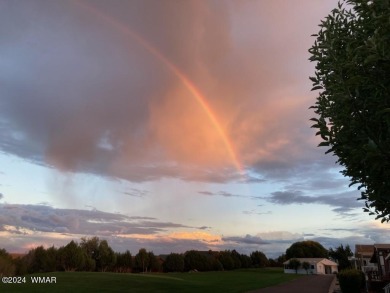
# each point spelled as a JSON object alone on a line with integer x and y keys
{"x": 84, "y": 90}
{"x": 26, "y": 226}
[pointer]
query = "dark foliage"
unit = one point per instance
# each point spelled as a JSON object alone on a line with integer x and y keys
{"x": 93, "y": 254}
{"x": 259, "y": 260}
{"x": 294, "y": 264}
{"x": 341, "y": 255}
{"x": 352, "y": 51}
{"x": 195, "y": 260}
{"x": 174, "y": 263}
{"x": 7, "y": 267}
{"x": 351, "y": 281}
{"x": 124, "y": 262}
{"x": 306, "y": 248}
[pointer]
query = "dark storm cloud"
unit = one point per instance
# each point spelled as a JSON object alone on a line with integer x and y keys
{"x": 334, "y": 242}
{"x": 327, "y": 179}
{"x": 47, "y": 219}
{"x": 247, "y": 239}
{"x": 342, "y": 202}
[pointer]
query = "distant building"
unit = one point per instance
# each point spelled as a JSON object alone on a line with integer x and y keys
{"x": 362, "y": 258}
{"x": 320, "y": 266}
{"x": 381, "y": 257}
{"x": 374, "y": 261}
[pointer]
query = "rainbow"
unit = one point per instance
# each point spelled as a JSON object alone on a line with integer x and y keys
{"x": 200, "y": 98}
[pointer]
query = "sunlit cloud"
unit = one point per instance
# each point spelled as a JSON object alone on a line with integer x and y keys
{"x": 176, "y": 125}
{"x": 202, "y": 236}
{"x": 167, "y": 119}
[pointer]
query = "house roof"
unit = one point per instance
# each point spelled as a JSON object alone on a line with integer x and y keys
{"x": 364, "y": 250}
{"x": 382, "y": 246}
{"x": 313, "y": 261}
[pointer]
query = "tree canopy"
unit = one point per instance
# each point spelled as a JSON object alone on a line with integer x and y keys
{"x": 259, "y": 260}
{"x": 352, "y": 51}
{"x": 341, "y": 254}
{"x": 94, "y": 254}
{"x": 306, "y": 248}
{"x": 174, "y": 263}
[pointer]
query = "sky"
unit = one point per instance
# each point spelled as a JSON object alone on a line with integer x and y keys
{"x": 167, "y": 125}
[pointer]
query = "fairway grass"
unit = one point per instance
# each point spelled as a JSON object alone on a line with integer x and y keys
{"x": 229, "y": 281}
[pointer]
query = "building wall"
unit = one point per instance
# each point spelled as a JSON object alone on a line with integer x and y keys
{"x": 319, "y": 269}
{"x": 364, "y": 264}
{"x": 300, "y": 271}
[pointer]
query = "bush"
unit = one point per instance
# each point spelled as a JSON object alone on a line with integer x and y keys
{"x": 351, "y": 281}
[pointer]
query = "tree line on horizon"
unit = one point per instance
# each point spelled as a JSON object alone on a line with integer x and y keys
{"x": 95, "y": 255}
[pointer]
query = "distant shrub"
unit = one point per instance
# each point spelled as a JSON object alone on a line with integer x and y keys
{"x": 351, "y": 281}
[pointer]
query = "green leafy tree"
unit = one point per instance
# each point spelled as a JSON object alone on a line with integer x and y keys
{"x": 294, "y": 264}
{"x": 142, "y": 260}
{"x": 36, "y": 260}
{"x": 216, "y": 265}
{"x": 352, "y": 52}
{"x": 226, "y": 260}
{"x": 71, "y": 257}
{"x": 7, "y": 266}
{"x": 341, "y": 254}
{"x": 306, "y": 266}
{"x": 194, "y": 260}
{"x": 154, "y": 263}
{"x": 51, "y": 263}
{"x": 90, "y": 247}
{"x": 174, "y": 263}
{"x": 245, "y": 261}
{"x": 259, "y": 260}
{"x": 89, "y": 263}
{"x": 236, "y": 259}
{"x": 272, "y": 263}
{"x": 306, "y": 248}
{"x": 106, "y": 257}
{"x": 124, "y": 262}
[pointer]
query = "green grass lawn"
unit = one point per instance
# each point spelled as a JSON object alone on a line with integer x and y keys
{"x": 230, "y": 281}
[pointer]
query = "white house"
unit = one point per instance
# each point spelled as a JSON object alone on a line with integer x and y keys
{"x": 320, "y": 266}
